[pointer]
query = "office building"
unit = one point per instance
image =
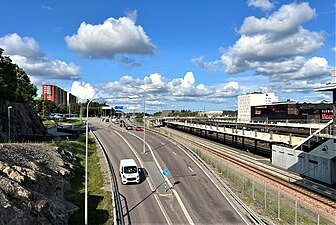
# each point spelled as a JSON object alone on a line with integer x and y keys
{"x": 245, "y": 102}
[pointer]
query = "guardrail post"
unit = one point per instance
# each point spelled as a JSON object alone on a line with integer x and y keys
{"x": 255, "y": 133}
{"x": 296, "y": 213}
{"x": 271, "y": 135}
{"x": 265, "y": 196}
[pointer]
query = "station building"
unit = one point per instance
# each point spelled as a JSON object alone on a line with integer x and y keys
{"x": 293, "y": 112}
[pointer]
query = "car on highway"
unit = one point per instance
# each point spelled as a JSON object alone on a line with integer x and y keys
{"x": 129, "y": 171}
{"x": 138, "y": 128}
{"x": 129, "y": 127}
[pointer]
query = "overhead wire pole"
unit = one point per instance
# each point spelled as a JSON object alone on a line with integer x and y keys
{"x": 86, "y": 148}
{"x": 144, "y": 120}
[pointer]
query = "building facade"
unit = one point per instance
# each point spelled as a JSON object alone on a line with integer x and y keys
{"x": 253, "y": 99}
{"x": 56, "y": 94}
{"x": 293, "y": 112}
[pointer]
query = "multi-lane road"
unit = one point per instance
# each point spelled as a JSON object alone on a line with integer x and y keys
{"x": 191, "y": 196}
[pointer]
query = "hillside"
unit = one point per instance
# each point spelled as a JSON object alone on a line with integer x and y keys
{"x": 25, "y": 123}
{"x": 33, "y": 179}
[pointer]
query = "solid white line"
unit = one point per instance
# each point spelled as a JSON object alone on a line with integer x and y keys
{"x": 241, "y": 216}
{"x": 183, "y": 207}
{"x": 328, "y": 192}
{"x": 165, "y": 214}
{"x": 185, "y": 211}
{"x": 174, "y": 153}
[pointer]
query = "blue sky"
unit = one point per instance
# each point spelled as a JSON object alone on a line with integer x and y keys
{"x": 199, "y": 54}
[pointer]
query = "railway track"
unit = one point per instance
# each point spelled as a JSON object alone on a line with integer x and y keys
{"x": 284, "y": 179}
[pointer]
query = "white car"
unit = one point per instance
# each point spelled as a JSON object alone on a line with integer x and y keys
{"x": 129, "y": 171}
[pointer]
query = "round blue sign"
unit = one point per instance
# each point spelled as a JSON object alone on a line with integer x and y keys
{"x": 165, "y": 172}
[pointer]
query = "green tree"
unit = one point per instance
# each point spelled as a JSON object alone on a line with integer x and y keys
{"x": 62, "y": 108}
{"x": 15, "y": 84}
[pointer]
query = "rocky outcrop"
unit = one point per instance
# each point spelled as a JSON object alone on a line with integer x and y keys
{"x": 33, "y": 179}
{"x": 24, "y": 123}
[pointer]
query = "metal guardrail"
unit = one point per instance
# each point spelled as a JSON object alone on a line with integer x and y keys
{"x": 118, "y": 212}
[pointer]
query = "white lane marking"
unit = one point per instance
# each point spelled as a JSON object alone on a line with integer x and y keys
{"x": 165, "y": 214}
{"x": 314, "y": 186}
{"x": 182, "y": 206}
{"x": 174, "y": 153}
{"x": 162, "y": 143}
{"x": 241, "y": 216}
{"x": 328, "y": 192}
{"x": 190, "y": 169}
{"x": 184, "y": 210}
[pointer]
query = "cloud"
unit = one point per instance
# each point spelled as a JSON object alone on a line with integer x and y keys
{"x": 83, "y": 91}
{"x": 284, "y": 21}
{"x": 264, "y": 5}
{"x": 27, "y": 54}
{"x": 45, "y": 7}
{"x": 275, "y": 46}
{"x": 111, "y": 40}
{"x": 183, "y": 89}
{"x": 210, "y": 66}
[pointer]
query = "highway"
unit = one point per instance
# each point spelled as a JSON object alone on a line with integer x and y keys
{"x": 192, "y": 198}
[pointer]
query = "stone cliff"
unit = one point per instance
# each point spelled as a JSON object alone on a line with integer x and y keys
{"x": 25, "y": 123}
{"x": 33, "y": 178}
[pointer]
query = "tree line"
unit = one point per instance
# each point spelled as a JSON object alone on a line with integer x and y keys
{"x": 15, "y": 85}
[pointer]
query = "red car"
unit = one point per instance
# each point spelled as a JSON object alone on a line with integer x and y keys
{"x": 138, "y": 128}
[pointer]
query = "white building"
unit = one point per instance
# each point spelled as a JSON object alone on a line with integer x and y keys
{"x": 253, "y": 99}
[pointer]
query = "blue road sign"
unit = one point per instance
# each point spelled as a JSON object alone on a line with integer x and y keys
{"x": 165, "y": 172}
{"x": 118, "y": 107}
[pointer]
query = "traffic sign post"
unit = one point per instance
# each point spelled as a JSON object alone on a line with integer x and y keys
{"x": 165, "y": 173}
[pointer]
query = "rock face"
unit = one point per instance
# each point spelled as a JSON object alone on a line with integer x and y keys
{"x": 33, "y": 178}
{"x": 25, "y": 124}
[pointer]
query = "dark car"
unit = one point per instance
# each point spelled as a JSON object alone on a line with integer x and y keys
{"x": 138, "y": 128}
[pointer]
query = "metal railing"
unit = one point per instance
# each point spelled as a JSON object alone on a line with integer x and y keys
{"x": 117, "y": 207}
{"x": 317, "y": 138}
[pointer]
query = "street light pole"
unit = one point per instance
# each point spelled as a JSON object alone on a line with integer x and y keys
{"x": 86, "y": 149}
{"x": 144, "y": 120}
{"x": 9, "y": 125}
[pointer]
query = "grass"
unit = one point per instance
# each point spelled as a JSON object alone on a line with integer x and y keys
{"x": 99, "y": 201}
{"x": 48, "y": 123}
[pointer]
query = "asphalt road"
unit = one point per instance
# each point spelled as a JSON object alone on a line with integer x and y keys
{"x": 139, "y": 204}
{"x": 194, "y": 198}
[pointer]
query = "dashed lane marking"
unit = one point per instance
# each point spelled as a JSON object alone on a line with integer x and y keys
{"x": 174, "y": 153}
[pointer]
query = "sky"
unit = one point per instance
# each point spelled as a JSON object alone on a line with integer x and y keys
{"x": 194, "y": 55}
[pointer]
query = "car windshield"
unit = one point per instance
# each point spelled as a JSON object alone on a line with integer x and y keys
{"x": 130, "y": 169}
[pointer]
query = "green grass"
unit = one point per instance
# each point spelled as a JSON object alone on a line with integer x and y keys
{"x": 48, "y": 123}
{"x": 76, "y": 122}
{"x": 99, "y": 201}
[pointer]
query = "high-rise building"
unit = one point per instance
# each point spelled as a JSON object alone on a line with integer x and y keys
{"x": 72, "y": 98}
{"x": 245, "y": 102}
{"x": 56, "y": 94}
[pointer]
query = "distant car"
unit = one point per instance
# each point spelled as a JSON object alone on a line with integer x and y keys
{"x": 138, "y": 128}
{"x": 129, "y": 127}
{"x": 107, "y": 120}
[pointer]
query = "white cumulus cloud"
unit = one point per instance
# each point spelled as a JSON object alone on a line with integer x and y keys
{"x": 26, "y": 52}
{"x": 83, "y": 91}
{"x": 264, "y": 5}
{"x": 111, "y": 40}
